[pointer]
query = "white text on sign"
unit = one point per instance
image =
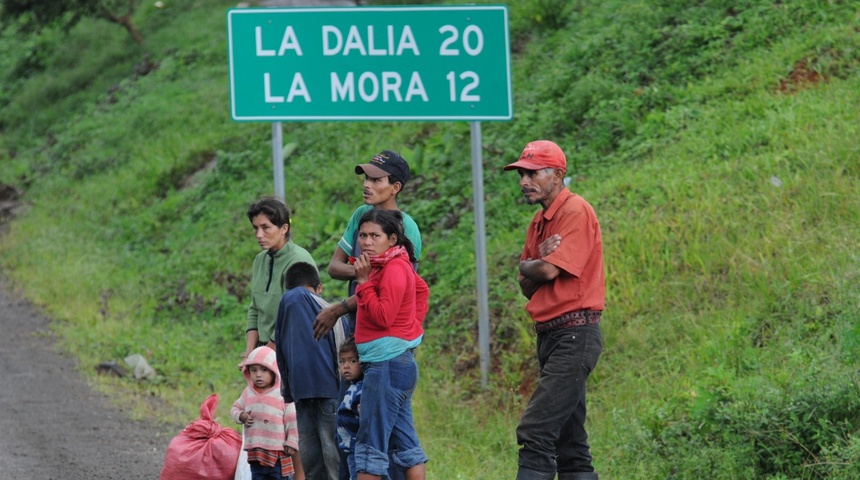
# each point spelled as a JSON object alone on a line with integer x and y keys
{"x": 369, "y": 86}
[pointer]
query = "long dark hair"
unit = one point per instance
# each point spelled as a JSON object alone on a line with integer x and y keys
{"x": 391, "y": 222}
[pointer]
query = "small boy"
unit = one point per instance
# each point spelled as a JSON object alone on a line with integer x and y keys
{"x": 271, "y": 433}
{"x": 309, "y": 370}
{"x": 348, "y": 411}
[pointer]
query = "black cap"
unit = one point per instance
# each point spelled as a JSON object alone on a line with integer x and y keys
{"x": 386, "y": 164}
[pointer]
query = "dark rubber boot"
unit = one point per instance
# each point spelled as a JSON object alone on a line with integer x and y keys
{"x": 529, "y": 474}
{"x": 578, "y": 476}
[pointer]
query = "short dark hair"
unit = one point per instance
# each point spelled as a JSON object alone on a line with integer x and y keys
{"x": 391, "y": 222}
{"x": 348, "y": 346}
{"x": 275, "y": 210}
{"x": 302, "y": 274}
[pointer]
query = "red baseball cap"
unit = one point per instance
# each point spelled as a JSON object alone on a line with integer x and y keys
{"x": 540, "y": 154}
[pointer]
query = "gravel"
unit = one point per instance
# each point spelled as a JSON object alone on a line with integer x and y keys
{"x": 53, "y": 425}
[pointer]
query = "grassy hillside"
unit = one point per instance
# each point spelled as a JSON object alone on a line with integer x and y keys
{"x": 716, "y": 140}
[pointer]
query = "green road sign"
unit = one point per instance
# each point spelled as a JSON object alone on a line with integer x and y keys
{"x": 370, "y": 63}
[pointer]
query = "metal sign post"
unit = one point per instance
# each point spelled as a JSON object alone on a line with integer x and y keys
{"x": 278, "y": 160}
{"x": 480, "y": 251}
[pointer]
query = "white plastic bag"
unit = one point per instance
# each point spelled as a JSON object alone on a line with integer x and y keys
{"x": 243, "y": 469}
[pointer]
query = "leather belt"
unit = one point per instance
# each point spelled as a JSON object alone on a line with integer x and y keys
{"x": 577, "y": 318}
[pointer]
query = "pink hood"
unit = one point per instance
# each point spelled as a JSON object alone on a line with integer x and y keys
{"x": 264, "y": 356}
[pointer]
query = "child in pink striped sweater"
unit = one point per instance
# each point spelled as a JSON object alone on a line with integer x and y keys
{"x": 271, "y": 432}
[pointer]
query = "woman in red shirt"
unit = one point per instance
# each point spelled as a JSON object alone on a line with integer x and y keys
{"x": 392, "y": 304}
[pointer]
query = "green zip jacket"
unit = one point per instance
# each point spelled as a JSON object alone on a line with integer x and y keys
{"x": 266, "y": 288}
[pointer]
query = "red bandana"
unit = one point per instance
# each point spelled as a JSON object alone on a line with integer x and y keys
{"x": 390, "y": 254}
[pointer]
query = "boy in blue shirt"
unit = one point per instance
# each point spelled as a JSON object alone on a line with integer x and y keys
{"x": 310, "y": 370}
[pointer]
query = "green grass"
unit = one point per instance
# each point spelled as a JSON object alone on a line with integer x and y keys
{"x": 716, "y": 140}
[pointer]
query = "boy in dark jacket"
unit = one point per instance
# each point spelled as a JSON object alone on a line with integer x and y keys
{"x": 348, "y": 411}
{"x": 310, "y": 371}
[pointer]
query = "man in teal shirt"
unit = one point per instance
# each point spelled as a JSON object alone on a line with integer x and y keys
{"x": 384, "y": 177}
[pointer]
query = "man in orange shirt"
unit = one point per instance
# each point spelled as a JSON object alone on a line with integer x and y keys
{"x": 561, "y": 273}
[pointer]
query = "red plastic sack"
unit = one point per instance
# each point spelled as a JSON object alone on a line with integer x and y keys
{"x": 203, "y": 449}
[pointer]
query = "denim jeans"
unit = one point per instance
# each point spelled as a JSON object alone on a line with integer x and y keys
{"x": 317, "y": 423}
{"x": 343, "y": 470}
{"x": 260, "y": 472}
{"x": 386, "y": 416}
{"x": 551, "y": 432}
